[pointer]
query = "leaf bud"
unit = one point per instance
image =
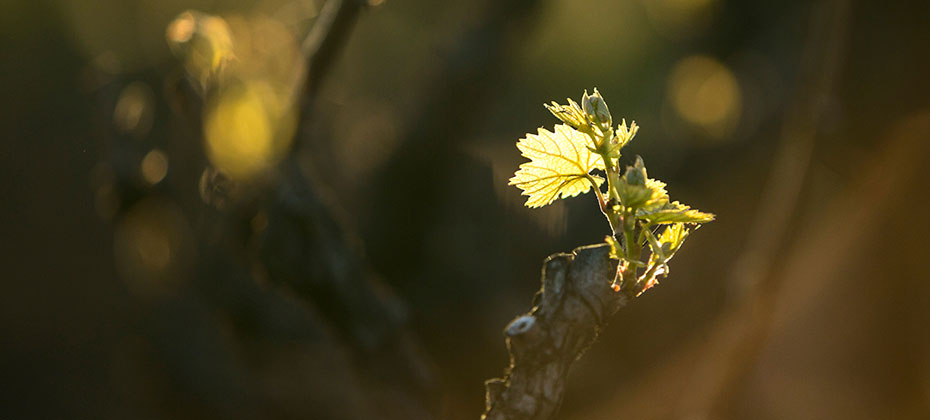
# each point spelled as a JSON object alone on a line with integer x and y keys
{"x": 595, "y": 107}
{"x": 636, "y": 174}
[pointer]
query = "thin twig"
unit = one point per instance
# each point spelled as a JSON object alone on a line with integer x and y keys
{"x": 320, "y": 47}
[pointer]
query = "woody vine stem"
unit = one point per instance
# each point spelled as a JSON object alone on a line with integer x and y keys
{"x": 582, "y": 289}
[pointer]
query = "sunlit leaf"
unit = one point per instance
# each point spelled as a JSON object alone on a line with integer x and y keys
{"x": 570, "y": 114}
{"x": 625, "y": 134}
{"x": 675, "y": 212}
{"x": 671, "y": 239}
{"x": 662, "y": 250}
{"x": 560, "y": 165}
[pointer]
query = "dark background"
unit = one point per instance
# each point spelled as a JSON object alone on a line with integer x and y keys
{"x": 805, "y": 126}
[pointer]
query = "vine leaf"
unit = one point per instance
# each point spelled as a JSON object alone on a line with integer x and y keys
{"x": 560, "y": 165}
{"x": 662, "y": 250}
{"x": 675, "y": 212}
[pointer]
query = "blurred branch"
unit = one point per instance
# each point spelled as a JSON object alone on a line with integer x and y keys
{"x": 452, "y": 100}
{"x": 307, "y": 247}
{"x": 571, "y": 307}
{"x": 755, "y": 274}
{"x": 321, "y": 46}
{"x": 822, "y": 59}
{"x": 252, "y": 272}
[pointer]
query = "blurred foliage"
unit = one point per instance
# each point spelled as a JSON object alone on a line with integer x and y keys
{"x": 106, "y": 196}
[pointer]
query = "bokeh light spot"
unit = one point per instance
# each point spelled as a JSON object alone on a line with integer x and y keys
{"x": 249, "y": 119}
{"x": 181, "y": 29}
{"x": 154, "y": 166}
{"x": 239, "y": 131}
{"x": 204, "y": 43}
{"x": 705, "y": 93}
{"x": 133, "y": 113}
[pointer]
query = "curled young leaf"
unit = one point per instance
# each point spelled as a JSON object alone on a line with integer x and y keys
{"x": 625, "y": 134}
{"x": 570, "y": 114}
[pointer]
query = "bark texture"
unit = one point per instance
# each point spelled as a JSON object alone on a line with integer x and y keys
{"x": 569, "y": 310}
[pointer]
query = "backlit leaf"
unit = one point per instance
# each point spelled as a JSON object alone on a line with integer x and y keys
{"x": 560, "y": 165}
{"x": 662, "y": 250}
{"x": 570, "y": 114}
{"x": 675, "y": 212}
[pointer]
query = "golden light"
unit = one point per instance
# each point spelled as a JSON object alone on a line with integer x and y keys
{"x": 705, "y": 93}
{"x": 204, "y": 43}
{"x": 181, "y": 29}
{"x": 249, "y": 120}
{"x": 154, "y": 166}
{"x": 247, "y": 130}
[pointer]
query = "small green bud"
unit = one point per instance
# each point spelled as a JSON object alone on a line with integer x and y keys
{"x": 636, "y": 174}
{"x": 595, "y": 107}
{"x": 637, "y": 191}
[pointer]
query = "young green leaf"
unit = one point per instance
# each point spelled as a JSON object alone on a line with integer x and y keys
{"x": 674, "y": 212}
{"x": 625, "y": 134}
{"x": 560, "y": 165}
{"x": 672, "y": 238}
{"x": 662, "y": 250}
{"x": 570, "y": 114}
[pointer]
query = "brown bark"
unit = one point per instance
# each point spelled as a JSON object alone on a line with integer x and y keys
{"x": 569, "y": 310}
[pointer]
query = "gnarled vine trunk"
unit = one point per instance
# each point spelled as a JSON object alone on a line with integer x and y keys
{"x": 573, "y": 304}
